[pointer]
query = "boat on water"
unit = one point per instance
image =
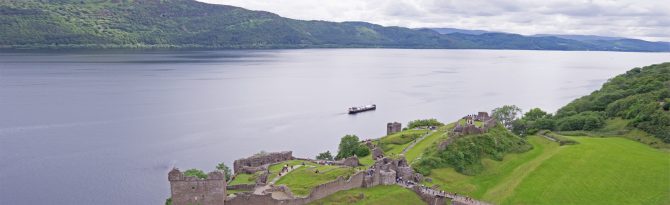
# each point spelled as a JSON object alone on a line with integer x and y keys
{"x": 354, "y": 110}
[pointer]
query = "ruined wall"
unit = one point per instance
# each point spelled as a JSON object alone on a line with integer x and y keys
{"x": 430, "y": 199}
{"x": 260, "y": 160}
{"x": 191, "y": 190}
{"x": 317, "y": 193}
{"x": 243, "y": 187}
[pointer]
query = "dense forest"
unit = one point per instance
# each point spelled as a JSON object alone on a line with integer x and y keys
{"x": 188, "y": 23}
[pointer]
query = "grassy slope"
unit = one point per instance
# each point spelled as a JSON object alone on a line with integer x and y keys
{"x": 243, "y": 179}
{"x": 496, "y": 172}
{"x": 617, "y": 127}
{"x": 599, "y": 171}
{"x": 303, "y": 179}
{"x": 430, "y": 140}
{"x": 381, "y": 195}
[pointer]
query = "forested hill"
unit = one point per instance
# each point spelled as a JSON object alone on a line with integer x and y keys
{"x": 188, "y": 23}
{"x": 641, "y": 97}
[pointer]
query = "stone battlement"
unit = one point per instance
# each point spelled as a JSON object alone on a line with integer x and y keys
{"x": 255, "y": 163}
{"x": 192, "y": 190}
{"x": 471, "y": 128}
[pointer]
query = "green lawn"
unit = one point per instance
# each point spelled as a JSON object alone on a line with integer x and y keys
{"x": 596, "y": 171}
{"x": 379, "y": 195}
{"x": 403, "y": 137}
{"x": 243, "y": 179}
{"x": 303, "y": 179}
{"x": 618, "y": 127}
{"x": 276, "y": 168}
{"x": 599, "y": 171}
{"x": 495, "y": 173}
{"x": 430, "y": 140}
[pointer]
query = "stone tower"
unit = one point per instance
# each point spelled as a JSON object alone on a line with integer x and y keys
{"x": 393, "y": 127}
{"x": 191, "y": 190}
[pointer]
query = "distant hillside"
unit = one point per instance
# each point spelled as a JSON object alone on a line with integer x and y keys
{"x": 580, "y": 37}
{"x": 463, "y": 31}
{"x": 192, "y": 24}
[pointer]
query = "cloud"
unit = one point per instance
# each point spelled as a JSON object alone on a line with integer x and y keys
{"x": 643, "y": 19}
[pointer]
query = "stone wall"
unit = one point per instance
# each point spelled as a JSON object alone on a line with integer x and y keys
{"x": 242, "y": 187}
{"x": 191, "y": 190}
{"x": 245, "y": 165}
{"x": 430, "y": 199}
{"x": 317, "y": 193}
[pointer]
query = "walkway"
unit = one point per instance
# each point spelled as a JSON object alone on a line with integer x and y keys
{"x": 417, "y": 141}
{"x": 259, "y": 190}
{"x": 454, "y": 197}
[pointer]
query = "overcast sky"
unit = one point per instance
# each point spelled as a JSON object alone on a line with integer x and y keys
{"x": 643, "y": 19}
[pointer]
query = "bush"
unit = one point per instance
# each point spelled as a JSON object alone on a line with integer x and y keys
{"x": 324, "y": 156}
{"x": 362, "y": 151}
{"x": 666, "y": 106}
{"x": 423, "y": 123}
{"x": 195, "y": 173}
{"x": 582, "y": 121}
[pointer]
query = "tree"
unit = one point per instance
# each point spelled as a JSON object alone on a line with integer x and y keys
{"x": 348, "y": 146}
{"x": 226, "y": 170}
{"x": 195, "y": 173}
{"x": 324, "y": 156}
{"x": 535, "y": 114}
{"x": 506, "y": 114}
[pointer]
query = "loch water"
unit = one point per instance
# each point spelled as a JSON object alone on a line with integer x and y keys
{"x": 105, "y": 127}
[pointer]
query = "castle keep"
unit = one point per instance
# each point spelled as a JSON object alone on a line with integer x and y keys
{"x": 393, "y": 127}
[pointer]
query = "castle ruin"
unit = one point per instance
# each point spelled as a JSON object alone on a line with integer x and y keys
{"x": 192, "y": 190}
{"x": 259, "y": 162}
{"x": 393, "y": 127}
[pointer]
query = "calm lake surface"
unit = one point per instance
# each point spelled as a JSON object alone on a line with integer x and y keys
{"x": 105, "y": 128}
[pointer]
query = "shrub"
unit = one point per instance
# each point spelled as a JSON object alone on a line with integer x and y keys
{"x": 582, "y": 121}
{"x": 423, "y": 123}
{"x": 362, "y": 151}
{"x": 325, "y": 156}
{"x": 195, "y": 173}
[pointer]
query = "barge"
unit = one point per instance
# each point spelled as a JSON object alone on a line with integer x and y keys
{"x": 354, "y": 110}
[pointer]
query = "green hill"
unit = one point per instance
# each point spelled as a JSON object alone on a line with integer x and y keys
{"x": 595, "y": 171}
{"x": 641, "y": 97}
{"x": 192, "y": 24}
{"x": 465, "y": 153}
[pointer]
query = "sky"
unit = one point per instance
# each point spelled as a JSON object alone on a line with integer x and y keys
{"x": 642, "y": 19}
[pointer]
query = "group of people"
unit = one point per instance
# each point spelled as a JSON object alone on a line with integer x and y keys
{"x": 285, "y": 169}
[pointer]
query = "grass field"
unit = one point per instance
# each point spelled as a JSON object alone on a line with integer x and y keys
{"x": 379, "y": 195}
{"x": 599, "y": 171}
{"x": 430, "y": 140}
{"x": 303, "y": 179}
{"x": 596, "y": 171}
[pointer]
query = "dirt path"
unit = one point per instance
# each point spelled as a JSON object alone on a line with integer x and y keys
{"x": 259, "y": 190}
